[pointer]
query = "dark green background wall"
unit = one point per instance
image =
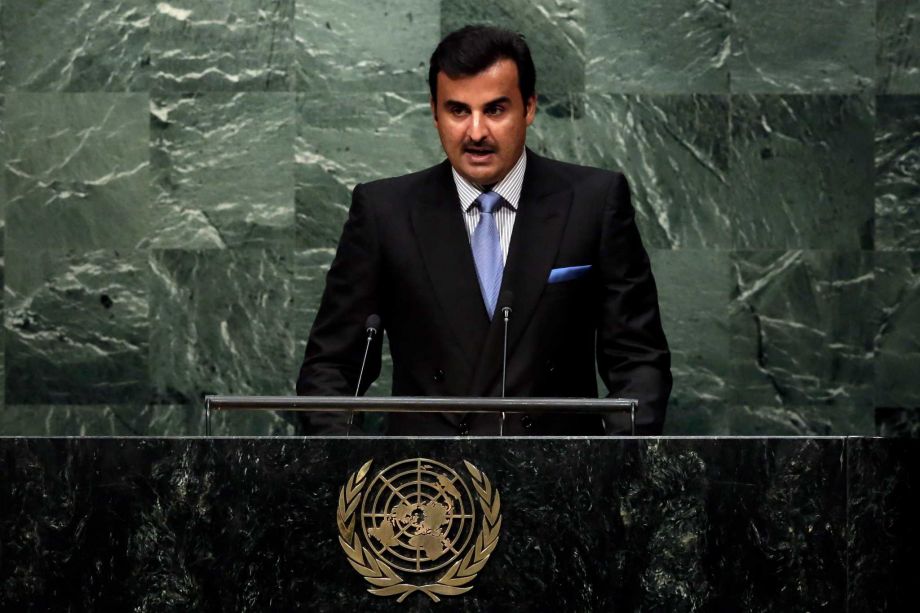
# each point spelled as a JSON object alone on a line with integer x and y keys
{"x": 176, "y": 175}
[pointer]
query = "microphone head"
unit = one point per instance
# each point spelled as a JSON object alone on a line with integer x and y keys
{"x": 373, "y": 322}
{"x": 504, "y": 300}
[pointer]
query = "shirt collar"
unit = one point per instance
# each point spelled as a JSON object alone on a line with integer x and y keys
{"x": 508, "y": 188}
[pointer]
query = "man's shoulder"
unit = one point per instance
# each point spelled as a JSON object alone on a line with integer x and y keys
{"x": 570, "y": 173}
{"x": 408, "y": 182}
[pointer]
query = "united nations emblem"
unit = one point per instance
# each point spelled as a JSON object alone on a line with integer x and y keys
{"x": 418, "y": 517}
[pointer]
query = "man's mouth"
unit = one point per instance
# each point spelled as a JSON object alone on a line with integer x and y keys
{"x": 478, "y": 154}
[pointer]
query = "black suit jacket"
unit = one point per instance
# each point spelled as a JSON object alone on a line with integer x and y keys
{"x": 405, "y": 255}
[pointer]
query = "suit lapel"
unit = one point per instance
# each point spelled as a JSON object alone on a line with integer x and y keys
{"x": 448, "y": 259}
{"x": 541, "y": 218}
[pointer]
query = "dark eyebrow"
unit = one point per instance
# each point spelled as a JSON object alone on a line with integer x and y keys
{"x": 455, "y": 103}
{"x": 502, "y": 100}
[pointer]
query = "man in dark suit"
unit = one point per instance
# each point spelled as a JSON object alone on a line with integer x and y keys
{"x": 432, "y": 252}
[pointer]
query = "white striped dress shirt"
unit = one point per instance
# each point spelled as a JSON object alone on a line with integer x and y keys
{"x": 508, "y": 188}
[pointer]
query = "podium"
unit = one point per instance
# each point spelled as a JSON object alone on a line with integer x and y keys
{"x": 570, "y": 523}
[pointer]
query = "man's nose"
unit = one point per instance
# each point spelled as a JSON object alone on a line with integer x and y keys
{"x": 478, "y": 129}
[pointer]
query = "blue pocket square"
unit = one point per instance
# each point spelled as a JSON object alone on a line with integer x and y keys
{"x": 558, "y": 275}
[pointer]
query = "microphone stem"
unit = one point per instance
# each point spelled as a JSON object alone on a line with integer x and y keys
{"x": 367, "y": 348}
{"x": 507, "y": 313}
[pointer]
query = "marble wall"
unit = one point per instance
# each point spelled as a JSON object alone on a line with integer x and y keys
{"x": 176, "y": 175}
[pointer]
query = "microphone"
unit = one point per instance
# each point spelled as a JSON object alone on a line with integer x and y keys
{"x": 505, "y": 299}
{"x": 372, "y": 327}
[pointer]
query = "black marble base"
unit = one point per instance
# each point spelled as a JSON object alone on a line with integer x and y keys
{"x": 588, "y": 524}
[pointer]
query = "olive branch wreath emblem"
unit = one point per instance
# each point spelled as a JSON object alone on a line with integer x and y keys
{"x": 378, "y": 573}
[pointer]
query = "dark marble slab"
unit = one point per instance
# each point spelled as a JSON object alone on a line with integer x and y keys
{"x": 785, "y": 46}
{"x": 898, "y": 59}
{"x": 351, "y": 139}
{"x": 555, "y": 32}
{"x": 801, "y": 172}
{"x": 236, "y": 45}
{"x": 587, "y": 524}
{"x": 898, "y": 422}
{"x": 673, "y": 149}
{"x": 223, "y": 170}
{"x": 220, "y": 321}
{"x": 63, "y": 46}
{"x": 897, "y": 166}
{"x": 77, "y": 172}
{"x": 896, "y": 305}
{"x": 76, "y": 327}
{"x": 802, "y": 331}
{"x": 364, "y": 46}
{"x": 693, "y": 288}
{"x": 657, "y": 46}
{"x": 883, "y": 484}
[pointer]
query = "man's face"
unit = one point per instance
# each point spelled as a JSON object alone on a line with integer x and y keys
{"x": 482, "y": 121}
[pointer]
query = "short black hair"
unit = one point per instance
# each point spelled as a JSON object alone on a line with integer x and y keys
{"x": 471, "y": 49}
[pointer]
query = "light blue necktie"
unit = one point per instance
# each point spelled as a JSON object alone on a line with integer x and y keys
{"x": 487, "y": 250}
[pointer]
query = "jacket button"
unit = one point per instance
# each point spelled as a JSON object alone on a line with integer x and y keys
{"x": 438, "y": 375}
{"x": 550, "y": 367}
{"x": 464, "y": 428}
{"x": 526, "y": 421}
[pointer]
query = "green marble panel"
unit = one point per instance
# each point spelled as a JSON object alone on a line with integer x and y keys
{"x": 102, "y": 420}
{"x": 555, "y": 32}
{"x": 897, "y": 172}
{"x": 657, "y": 46}
{"x": 801, "y": 172}
{"x": 3, "y": 145}
{"x": 344, "y": 140}
{"x": 789, "y": 46}
{"x": 693, "y": 288}
{"x": 365, "y": 46}
{"x": 897, "y": 340}
{"x": 223, "y": 169}
{"x": 77, "y": 171}
{"x": 220, "y": 323}
{"x": 898, "y": 60}
{"x": 76, "y": 327}
{"x": 234, "y": 45}
{"x": 802, "y": 331}
{"x": 673, "y": 150}
{"x": 65, "y": 46}
{"x": 801, "y": 420}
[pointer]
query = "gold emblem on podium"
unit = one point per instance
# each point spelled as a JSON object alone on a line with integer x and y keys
{"x": 418, "y": 518}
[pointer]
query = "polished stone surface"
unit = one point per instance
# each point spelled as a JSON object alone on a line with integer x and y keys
{"x": 801, "y": 334}
{"x": 657, "y": 46}
{"x": 219, "y": 324}
{"x": 786, "y": 46}
{"x": 364, "y": 46}
{"x": 693, "y": 290}
{"x": 77, "y": 327}
{"x": 332, "y": 153}
{"x": 898, "y": 58}
{"x": 897, "y": 341}
{"x": 223, "y": 170}
{"x": 883, "y": 482}
{"x": 236, "y": 45}
{"x": 897, "y": 166}
{"x": 65, "y": 46}
{"x": 587, "y": 524}
{"x": 672, "y": 149}
{"x": 77, "y": 170}
{"x": 801, "y": 172}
